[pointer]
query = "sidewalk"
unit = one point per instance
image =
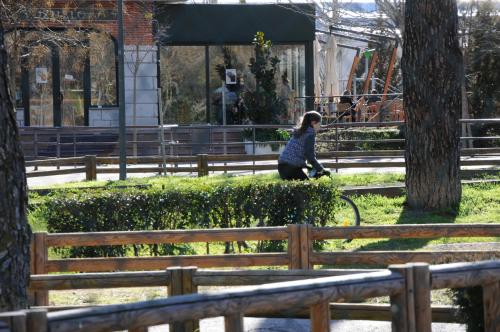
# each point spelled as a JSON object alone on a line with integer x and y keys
{"x": 302, "y": 325}
{"x": 56, "y": 179}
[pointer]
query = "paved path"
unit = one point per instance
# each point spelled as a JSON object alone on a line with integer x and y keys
{"x": 302, "y": 325}
{"x": 56, "y": 179}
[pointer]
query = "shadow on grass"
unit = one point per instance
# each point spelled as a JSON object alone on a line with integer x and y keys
{"x": 409, "y": 216}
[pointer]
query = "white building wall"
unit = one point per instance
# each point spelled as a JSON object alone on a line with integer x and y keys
{"x": 143, "y": 61}
{"x": 20, "y": 117}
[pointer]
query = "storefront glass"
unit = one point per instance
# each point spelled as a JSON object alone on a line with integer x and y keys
{"x": 41, "y": 86}
{"x": 291, "y": 82}
{"x": 182, "y": 75}
{"x": 71, "y": 61}
{"x": 36, "y": 57}
{"x": 237, "y": 57}
{"x": 183, "y": 82}
{"x": 13, "y": 44}
{"x": 102, "y": 70}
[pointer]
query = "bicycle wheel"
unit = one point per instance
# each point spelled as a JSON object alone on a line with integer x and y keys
{"x": 346, "y": 213}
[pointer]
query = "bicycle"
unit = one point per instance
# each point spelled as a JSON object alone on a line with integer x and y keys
{"x": 346, "y": 212}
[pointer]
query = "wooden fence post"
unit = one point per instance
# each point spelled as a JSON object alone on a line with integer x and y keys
{"x": 91, "y": 168}
{"x": 175, "y": 289}
{"x": 402, "y": 304}
{"x": 293, "y": 246}
{"x": 422, "y": 297}
{"x": 15, "y": 320}
{"x": 320, "y": 317}
{"x": 299, "y": 246}
{"x": 31, "y": 294}
{"x": 233, "y": 323}
{"x": 202, "y": 165}
{"x": 181, "y": 283}
{"x": 40, "y": 265}
{"x": 189, "y": 287}
{"x": 306, "y": 246}
{"x": 36, "y": 320}
{"x": 491, "y": 306}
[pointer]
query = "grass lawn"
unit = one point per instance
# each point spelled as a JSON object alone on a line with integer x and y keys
{"x": 480, "y": 204}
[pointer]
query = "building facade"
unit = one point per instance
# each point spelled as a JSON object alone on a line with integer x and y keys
{"x": 64, "y": 72}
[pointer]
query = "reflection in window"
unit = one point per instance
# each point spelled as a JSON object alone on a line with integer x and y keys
{"x": 182, "y": 70}
{"x": 183, "y": 82}
{"x": 237, "y": 57}
{"x": 41, "y": 92}
{"x": 71, "y": 62}
{"x": 13, "y": 45}
{"x": 102, "y": 70}
{"x": 290, "y": 79}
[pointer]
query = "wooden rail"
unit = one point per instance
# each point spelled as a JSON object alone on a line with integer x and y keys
{"x": 225, "y": 278}
{"x": 299, "y": 255}
{"x": 408, "y": 286}
{"x": 204, "y": 164}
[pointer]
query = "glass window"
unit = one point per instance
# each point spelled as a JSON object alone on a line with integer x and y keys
{"x": 289, "y": 78}
{"x": 71, "y": 62}
{"x": 41, "y": 86}
{"x": 102, "y": 70}
{"x": 291, "y": 81}
{"x": 13, "y": 46}
{"x": 233, "y": 57}
{"x": 182, "y": 76}
{"x": 183, "y": 82}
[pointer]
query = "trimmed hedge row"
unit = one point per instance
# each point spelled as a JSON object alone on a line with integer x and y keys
{"x": 362, "y": 134}
{"x": 189, "y": 204}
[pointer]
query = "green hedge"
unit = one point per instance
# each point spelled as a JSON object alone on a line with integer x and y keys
{"x": 188, "y": 204}
{"x": 362, "y": 134}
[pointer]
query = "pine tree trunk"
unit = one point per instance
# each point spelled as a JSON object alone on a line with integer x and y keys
{"x": 432, "y": 78}
{"x": 14, "y": 229}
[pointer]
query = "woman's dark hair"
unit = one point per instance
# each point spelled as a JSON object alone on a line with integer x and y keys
{"x": 306, "y": 122}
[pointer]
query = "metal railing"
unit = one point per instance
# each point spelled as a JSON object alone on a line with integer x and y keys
{"x": 41, "y": 143}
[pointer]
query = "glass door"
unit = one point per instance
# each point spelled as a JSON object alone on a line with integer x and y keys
{"x": 41, "y": 86}
{"x": 72, "y": 63}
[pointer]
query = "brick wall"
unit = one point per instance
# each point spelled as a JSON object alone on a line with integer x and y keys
{"x": 136, "y": 21}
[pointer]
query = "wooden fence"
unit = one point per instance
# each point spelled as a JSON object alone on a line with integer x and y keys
{"x": 408, "y": 286}
{"x": 300, "y": 253}
{"x": 203, "y": 164}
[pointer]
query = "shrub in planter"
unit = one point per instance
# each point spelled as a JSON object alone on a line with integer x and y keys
{"x": 232, "y": 202}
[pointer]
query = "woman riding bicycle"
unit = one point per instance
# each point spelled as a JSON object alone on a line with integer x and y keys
{"x": 301, "y": 148}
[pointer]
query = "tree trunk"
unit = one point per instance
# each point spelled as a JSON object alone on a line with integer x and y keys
{"x": 14, "y": 229}
{"x": 432, "y": 79}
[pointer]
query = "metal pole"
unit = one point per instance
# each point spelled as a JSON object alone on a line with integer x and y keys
{"x": 224, "y": 119}
{"x": 162, "y": 133}
{"x": 337, "y": 146}
{"x": 121, "y": 93}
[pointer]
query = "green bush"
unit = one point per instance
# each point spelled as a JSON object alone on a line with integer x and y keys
{"x": 188, "y": 204}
